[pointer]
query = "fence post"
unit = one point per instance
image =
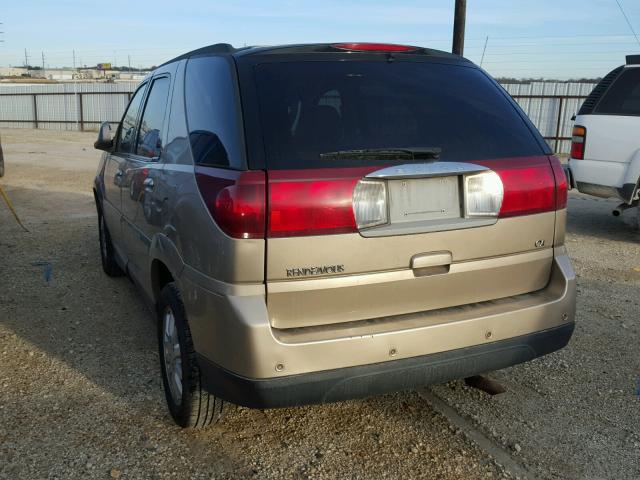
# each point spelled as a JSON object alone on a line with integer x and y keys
{"x": 81, "y": 112}
{"x": 559, "y": 121}
{"x": 35, "y": 110}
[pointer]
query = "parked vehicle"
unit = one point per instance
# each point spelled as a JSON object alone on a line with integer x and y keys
{"x": 314, "y": 223}
{"x": 605, "y": 149}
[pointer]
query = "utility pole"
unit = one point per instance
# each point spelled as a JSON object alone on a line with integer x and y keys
{"x": 74, "y": 59}
{"x": 129, "y": 59}
{"x": 458, "y": 27}
{"x": 26, "y": 58}
{"x": 43, "y": 73}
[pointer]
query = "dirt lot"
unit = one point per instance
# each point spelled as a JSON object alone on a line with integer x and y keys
{"x": 81, "y": 397}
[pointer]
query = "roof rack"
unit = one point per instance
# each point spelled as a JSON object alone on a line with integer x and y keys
{"x": 225, "y": 48}
{"x": 216, "y": 48}
{"x": 633, "y": 59}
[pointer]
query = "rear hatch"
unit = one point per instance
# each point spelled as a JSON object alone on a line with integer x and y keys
{"x": 395, "y": 184}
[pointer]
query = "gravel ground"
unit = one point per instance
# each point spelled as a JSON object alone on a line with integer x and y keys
{"x": 81, "y": 397}
{"x": 576, "y": 413}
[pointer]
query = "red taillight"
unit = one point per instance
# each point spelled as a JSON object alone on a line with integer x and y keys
{"x": 578, "y": 142}
{"x": 320, "y": 201}
{"x": 235, "y": 199}
{"x": 374, "y": 47}
{"x": 312, "y": 202}
{"x": 529, "y": 185}
{"x": 561, "y": 183}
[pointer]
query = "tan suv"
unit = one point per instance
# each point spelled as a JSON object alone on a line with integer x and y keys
{"x": 314, "y": 223}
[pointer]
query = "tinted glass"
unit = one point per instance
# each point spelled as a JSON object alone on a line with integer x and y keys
{"x": 177, "y": 148}
{"x": 212, "y": 119}
{"x": 150, "y": 136}
{"x": 623, "y": 97}
{"x": 310, "y": 108}
{"x": 128, "y": 125}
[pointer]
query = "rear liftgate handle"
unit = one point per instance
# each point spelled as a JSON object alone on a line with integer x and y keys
{"x": 433, "y": 263}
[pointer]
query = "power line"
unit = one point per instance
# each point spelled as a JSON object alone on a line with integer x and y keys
{"x": 486, "y": 40}
{"x": 628, "y": 22}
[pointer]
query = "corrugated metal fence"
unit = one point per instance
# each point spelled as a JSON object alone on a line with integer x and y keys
{"x": 83, "y": 106}
{"x": 550, "y": 106}
{"x": 63, "y": 106}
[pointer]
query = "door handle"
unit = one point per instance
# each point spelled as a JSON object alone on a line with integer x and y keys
{"x": 148, "y": 184}
{"x": 117, "y": 178}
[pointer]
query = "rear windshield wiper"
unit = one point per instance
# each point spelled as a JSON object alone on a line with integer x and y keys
{"x": 405, "y": 153}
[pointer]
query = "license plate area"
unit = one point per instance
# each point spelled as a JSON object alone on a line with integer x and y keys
{"x": 425, "y": 200}
{"x": 426, "y": 197}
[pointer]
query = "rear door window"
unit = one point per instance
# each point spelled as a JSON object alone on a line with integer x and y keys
{"x": 151, "y": 126}
{"x": 623, "y": 97}
{"x": 126, "y": 140}
{"x": 315, "y": 107}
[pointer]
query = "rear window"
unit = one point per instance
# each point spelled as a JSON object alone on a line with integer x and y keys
{"x": 623, "y": 97}
{"x": 311, "y": 108}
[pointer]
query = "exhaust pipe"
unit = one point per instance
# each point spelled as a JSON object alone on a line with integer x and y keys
{"x": 621, "y": 208}
{"x": 486, "y": 384}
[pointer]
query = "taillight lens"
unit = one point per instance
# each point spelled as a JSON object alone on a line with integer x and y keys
{"x": 370, "y": 203}
{"x": 312, "y": 202}
{"x": 483, "y": 193}
{"x": 561, "y": 183}
{"x": 528, "y": 182}
{"x": 578, "y": 140}
{"x": 235, "y": 199}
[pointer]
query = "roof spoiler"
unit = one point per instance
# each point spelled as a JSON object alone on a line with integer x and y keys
{"x": 633, "y": 59}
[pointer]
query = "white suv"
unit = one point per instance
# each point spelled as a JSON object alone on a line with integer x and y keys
{"x": 605, "y": 148}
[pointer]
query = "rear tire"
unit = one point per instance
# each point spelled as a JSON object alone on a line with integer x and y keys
{"x": 189, "y": 404}
{"x": 107, "y": 254}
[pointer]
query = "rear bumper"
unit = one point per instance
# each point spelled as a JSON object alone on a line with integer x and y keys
{"x": 626, "y": 193}
{"x": 367, "y": 380}
{"x": 606, "y": 179}
{"x": 246, "y": 361}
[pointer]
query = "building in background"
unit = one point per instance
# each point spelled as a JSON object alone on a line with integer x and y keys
{"x": 22, "y": 74}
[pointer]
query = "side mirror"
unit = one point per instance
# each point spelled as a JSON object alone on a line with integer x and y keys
{"x": 105, "y": 138}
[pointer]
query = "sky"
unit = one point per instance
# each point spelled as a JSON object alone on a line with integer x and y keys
{"x": 524, "y": 39}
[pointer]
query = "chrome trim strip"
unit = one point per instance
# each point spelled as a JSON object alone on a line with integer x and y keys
{"x": 430, "y": 169}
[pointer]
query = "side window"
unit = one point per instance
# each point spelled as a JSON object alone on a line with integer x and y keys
{"x": 150, "y": 136}
{"x": 128, "y": 125}
{"x": 623, "y": 97}
{"x": 212, "y": 117}
{"x": 177, "y": 149}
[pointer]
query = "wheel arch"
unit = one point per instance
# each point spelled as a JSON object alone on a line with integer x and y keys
{"x": 165, "y": 266}
{"x": 97, "y": 200}
{"x": 160, "y": 276}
